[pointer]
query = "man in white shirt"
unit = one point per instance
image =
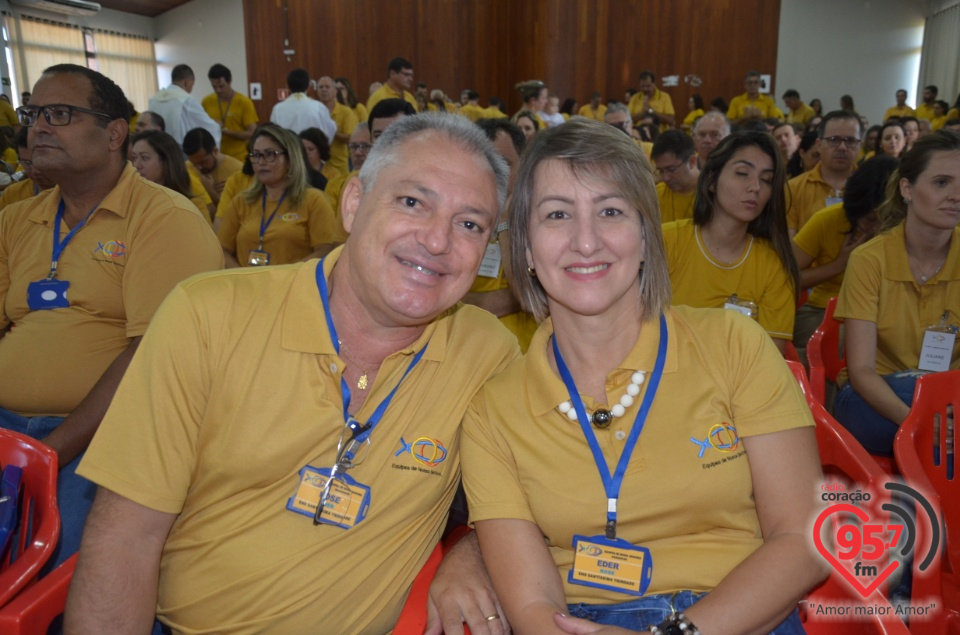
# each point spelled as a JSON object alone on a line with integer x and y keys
{"x": 181, "y": 113}
{"x": 299, "y": 112}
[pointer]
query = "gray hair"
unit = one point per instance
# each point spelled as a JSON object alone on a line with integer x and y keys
{"x": 709, "y": 117}
{"x": 461, "y": 131}
{"x": 595, "y": 150}
{"x": 616, "y": 106}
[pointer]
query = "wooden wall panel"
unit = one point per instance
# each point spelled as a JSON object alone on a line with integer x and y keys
{"x": 575, "y": 46}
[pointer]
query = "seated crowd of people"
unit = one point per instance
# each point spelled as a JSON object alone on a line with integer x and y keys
{"x": 512, "y": 294}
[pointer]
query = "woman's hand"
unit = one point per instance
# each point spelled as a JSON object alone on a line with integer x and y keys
{"x": 577, "y": 626}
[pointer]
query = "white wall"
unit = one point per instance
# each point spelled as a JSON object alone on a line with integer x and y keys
{"x": 864, "y": 48}
{"x": 200, "y": 34}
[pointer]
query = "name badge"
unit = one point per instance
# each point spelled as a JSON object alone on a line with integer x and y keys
{"x": 258, "y": 258}
{"x": 47, "y": 294}
{"x": 346, "y": 505}
{"x": 937, "y": 350}
{"x": 490, "y": 267}
{"x": 615, "y": 565}
{"x": 746, "y": 307}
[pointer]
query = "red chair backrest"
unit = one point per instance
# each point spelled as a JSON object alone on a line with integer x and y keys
{"x": 925, "y": 446}
{"x": 39, "y": 525}
{"x": 825, "y": 353}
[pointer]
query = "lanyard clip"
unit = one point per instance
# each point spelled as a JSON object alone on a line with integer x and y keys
{"x": 53, "y": 271}
{"x": 611, "y": 531}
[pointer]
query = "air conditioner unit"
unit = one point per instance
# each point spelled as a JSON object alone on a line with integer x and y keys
{"x": 69, "y": 7}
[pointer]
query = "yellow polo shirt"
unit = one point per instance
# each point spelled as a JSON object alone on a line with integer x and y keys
{"x": 801, "y": 115}
{"x": 251, "y": 394}
{"x": 227, "y": 167}
{"x": 385, "y": 92}
{"x": 141, "y": 241}
{"x": 236, "y": 115}
{"x": 692, "y": 117}
{"x": 200, "y": 197}
{"x": 807, "y": 195}
{"x": 758, "y": 276}
{"x": 660, "y": 102}
{"x": 879, "y": 288}
{"x": 361, "y": 112}
{"x": 523, "y": 459}
{"x": 8, "y": 116}
{"x": 896, "y": 111}
{"x": 588, "y": 112}
{"x": 766, "y": 105}
{"x": 292, "y": 235}
{"x": 235, "y": 184}
{"x": 521, "y": 324}
{"x": 19, "y": 191}
{"x": 346, "y": 121}
{"x": 335, "y": 188}
{"x": 674, "y": 205}
{"x": 822, "y": 238}
{"x": 924, "y": 111}
{"x": 473, "y": 112}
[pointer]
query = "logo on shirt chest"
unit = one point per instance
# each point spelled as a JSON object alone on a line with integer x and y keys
{"x": 721, "y": 437}
{"x": 111, "y": 249}
{"x": 426, "y": 453}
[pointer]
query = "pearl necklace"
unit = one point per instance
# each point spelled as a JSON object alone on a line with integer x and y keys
{"x": 603, "y": 417}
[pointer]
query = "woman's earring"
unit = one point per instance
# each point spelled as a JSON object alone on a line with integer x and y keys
{"x": 531, "y": 272}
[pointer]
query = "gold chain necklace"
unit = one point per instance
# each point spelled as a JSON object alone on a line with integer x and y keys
{"x": 364, "y": 379}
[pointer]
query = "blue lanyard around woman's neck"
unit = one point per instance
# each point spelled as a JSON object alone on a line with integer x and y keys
{"x": 360, "y": 432}
{"x": 264, "y": 221}
{"x": 612, "y": 483}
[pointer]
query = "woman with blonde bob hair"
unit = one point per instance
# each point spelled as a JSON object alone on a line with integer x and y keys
{"x": 279, "y": 219}
{"x": 607, "y": 469}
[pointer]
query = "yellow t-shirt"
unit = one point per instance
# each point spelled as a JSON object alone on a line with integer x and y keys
{"x": 473, "y": 112}
{"x": 385, "y": 92}
{"x": 924, "y": 111}
{"x": 822, "y": 238}
{"x": 235, "y": 184}
{"x": 521, "y": 324}
{"x": 141, "y": 241}
{"x": 346, "y": 121}
{"x": 758, "y": 276}
{"x": 361, "y": 112}
{"x": 807, "y": 194}
{"x": 227, "y": 167}
{"x": 236, "y": 114}
{"x": 801, "y": 115}
{"x": 674, "y": 205}
{"x": 290, "y": 237}
{"x": 588, "y": 112}
{"x": 896, "y": 111}
{"x": 879, "y": 288}
{"x": 200, "y": 197}
{"x": 335, "y": 189}
{"x": 523, "y": 459}
{"x": 766, "y": 105}
{"x": 495, "y": 113}
{"x": 251, "y": 394}
{"x": 20, "y": 191}
{"x": 329, "y": 171}
{"x": 660, "y": 102}
{"x": 8, "y": 116}
{"x": 692, "y": 117}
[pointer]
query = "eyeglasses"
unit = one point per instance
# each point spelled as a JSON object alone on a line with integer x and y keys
{"x": 669, "y": 170}
{"x": 270, "y": 156}
{"x": 836, "y": 142}
{"x": 361, "y": 147}
{"x": 54, "y": 114}
{"x": 347, "y": 457}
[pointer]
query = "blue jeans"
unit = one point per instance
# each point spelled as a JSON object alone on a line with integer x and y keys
{"x": 639, "y": 614}
{"x": 874, "y": 431}
{"x": 74, "y": 493}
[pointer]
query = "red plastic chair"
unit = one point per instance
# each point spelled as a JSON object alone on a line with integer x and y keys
{"x": 34, "y": 609}
{"x": 39, "y": 522}
{"x": 413, "y": 617}
{"x": 825, "y": 353}
{"x": 843, "y": 458}
{"x": 924, "y": 447}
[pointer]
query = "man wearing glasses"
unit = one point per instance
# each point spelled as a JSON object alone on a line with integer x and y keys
{"x": 398, "y": 84}
{"x": 839, "y": 142}
{"x": 676, "y": 165}
{"x": 83, "y": 267}
{"x": 284, "y": 450}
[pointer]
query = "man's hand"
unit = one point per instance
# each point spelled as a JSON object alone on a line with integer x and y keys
{"x": 462, "y": 592}
{"x": 576, "y": 626}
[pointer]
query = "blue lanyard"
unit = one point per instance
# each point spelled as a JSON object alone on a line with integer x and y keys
{"x": 264, "y": 221}
{"x": 359, "y": 432}
{"x": 59, "y": 246}
{"x": 611, "y": 484}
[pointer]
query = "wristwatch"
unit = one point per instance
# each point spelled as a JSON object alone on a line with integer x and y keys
{"x": 676, "y": 624}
